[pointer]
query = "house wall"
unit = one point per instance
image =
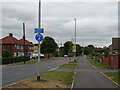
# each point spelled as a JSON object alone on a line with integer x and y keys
{"x": 18, "y": 52}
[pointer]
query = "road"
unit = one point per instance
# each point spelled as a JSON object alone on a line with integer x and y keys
{"x": 89, "y": 78}
{"x": 12, "y": 74}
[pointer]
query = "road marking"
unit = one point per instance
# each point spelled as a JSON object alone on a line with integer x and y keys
{"x": 53, "y": 68}
{"x": 73, "y": 81}
{"x": 92, "y": 65}
{"x": 62, "y": 60}
{"x": 110, "y": 79}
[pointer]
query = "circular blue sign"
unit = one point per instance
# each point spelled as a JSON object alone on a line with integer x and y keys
{"x": 39, "y": 37}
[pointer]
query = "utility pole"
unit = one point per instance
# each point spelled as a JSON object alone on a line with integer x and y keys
{"x": 24, "y": 39}
{"x": 75, "y": 41}
{"x": 39, "y": 26}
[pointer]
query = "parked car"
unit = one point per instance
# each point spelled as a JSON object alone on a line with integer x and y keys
{"x": 35, "y": 56}
{"x": 65, "y": 56}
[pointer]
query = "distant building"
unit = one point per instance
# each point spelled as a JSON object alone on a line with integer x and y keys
{"x": 115, "y": 43}
{"x": 15, "y": 46}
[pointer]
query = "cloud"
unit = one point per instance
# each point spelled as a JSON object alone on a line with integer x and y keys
{"x": 96, "y": 22}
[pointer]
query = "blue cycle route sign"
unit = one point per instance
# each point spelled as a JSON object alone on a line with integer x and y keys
{"x": 39, "y": 37}
{"x": 39, "y": 30}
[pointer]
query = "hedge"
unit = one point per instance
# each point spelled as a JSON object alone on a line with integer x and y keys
{"x": 9, "y": 60}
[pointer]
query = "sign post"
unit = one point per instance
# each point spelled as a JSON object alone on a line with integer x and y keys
{"x": 39, "y": 38}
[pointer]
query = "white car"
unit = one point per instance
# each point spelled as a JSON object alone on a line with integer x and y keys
{"x": 65, "y": 56}
{"x": 35, "y": 56}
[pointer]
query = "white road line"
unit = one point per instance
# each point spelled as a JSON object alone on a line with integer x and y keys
{"x": 110, "y": 79}
{"x": 73, "y": 81}
{"x": 53, "y": 68}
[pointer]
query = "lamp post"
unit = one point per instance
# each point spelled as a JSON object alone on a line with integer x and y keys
{"x": 75, "y": 41}
{"x": 39, "y": 26}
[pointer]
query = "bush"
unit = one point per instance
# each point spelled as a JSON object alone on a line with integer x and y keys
{"x": 8, "y": 60}
{"x": 5, "y": 53}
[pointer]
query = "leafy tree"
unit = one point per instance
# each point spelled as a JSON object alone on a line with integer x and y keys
{"x": 48, "y": 46}
{"x": 68, "y": 47}
{"x": 89, "y": 49}
{"x": 91, "y": 46}
{"x": 55, "y": 53}
{"x": 86, "y": 50}
{"x": 78, "y": 50}
{"x": 5, "y": 53}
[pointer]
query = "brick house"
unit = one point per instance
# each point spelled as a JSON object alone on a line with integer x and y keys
{"x": 15, "y": 46}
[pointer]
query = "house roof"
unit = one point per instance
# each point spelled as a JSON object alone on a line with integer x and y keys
{"x": 9, "y": 40}
{"x": 26, "y": 42}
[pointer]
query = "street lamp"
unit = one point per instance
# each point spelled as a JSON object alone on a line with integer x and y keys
{"x": 75, "y": 41}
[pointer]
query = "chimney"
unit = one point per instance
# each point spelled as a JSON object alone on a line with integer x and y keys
{"x": 10, "y": 34}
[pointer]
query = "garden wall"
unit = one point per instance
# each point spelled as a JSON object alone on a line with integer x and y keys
{"x": 111, "y": 60}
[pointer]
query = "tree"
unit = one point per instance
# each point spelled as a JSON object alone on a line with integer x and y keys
{"x": 48, "y": 46}
{"x": 86, "y": 50}
{"x": 68, "y": 47}
{"x": 91, "y": 46}
{"x": 78, "y": 50}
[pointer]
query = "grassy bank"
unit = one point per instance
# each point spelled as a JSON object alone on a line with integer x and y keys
{"x": 98, "y": 65}
{"x": 115, "y": 76}
{"x": 52, "y": 79}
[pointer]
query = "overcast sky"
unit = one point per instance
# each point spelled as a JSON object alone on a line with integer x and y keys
{"x": 96, "y": 21}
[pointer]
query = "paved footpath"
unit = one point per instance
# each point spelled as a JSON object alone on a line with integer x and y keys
{"x": 90, "y": 79}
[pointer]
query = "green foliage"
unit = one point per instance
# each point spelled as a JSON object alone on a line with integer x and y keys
{"x": 8, "y": 60}
{"x": 48, "y": 45}
{"x": 55, "y": 53}
{"x": 99, "y": 65}
{"x": 96, "y": 54}
{"x": 88, "y": 50}
{"x": 91, "y": 46}
{"x": 68, "y": 47}
{"x": 78, "y": 49}
{"x": 5, "y": 53}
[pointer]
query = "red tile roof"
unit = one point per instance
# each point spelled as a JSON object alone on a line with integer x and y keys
{"x": 9, "y": 40}
{"x": 26, "y": 42}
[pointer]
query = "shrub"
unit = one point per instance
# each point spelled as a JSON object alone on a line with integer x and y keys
{"x": 8, "y": 60}
{"x": 5, "y": 53}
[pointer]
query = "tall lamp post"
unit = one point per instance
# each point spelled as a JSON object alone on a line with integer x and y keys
{"x": 75, "y": 41}
{"x": 39, "y": 26}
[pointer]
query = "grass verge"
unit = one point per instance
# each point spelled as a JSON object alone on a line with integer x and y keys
{"x": 51, "y": 79}
{"x": 115, "y": 76}
{"x": 34, "y": 61}
{"x": 69, "y": 66}
{"x": 99, "y": 65}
